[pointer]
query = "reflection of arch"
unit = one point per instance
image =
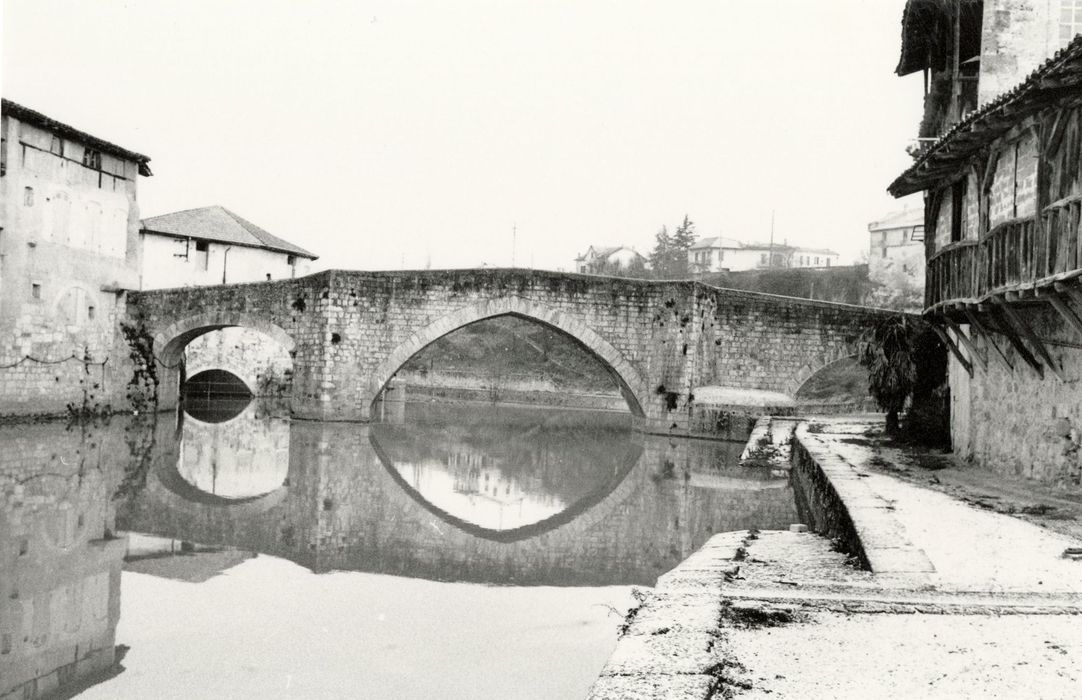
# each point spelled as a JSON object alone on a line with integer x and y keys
{"x": 632, "y": 386}
{"x": 564, "y": 517}
{"x": 169, "y": 343}
{"x": 807, "y": 372}
{"x": 167, "y": 475}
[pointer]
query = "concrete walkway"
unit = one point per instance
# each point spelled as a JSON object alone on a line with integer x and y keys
{"x": 961, "y": 601}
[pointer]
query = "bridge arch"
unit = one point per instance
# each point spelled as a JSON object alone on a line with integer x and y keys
{"x": 169, "y": 343}
{"x": 627, "y": 377}
{"x": 810, "y": 370}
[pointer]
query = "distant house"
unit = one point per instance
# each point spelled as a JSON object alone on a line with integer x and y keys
{"x": 896, "y": 243}
{"x": 717, "y": 254}
{"x": 601, "y": 259}
{"x": 212, "y": 245}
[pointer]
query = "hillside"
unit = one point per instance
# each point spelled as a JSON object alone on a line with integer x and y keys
{"x": 509, "y": 347}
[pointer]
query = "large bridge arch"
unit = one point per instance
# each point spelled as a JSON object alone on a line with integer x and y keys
{"x": 633, "y": 387}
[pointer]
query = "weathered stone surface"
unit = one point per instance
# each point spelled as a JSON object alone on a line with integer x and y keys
{"x": 652, "y": 687}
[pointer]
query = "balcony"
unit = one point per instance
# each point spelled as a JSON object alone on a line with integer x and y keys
{"x": 1013, "y": 256}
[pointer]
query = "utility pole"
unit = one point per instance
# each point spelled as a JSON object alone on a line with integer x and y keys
{"x": 514, "y": 241}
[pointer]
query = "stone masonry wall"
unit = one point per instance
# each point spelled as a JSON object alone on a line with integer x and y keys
{"x": 1017, "y": 423}
{"x": 353, "y": 330}
{"x": 250, "y": 355}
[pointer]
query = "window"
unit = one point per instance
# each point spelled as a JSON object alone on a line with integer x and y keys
{"x": 291, "y": 260}
{"x": 918, "y": 234}
{"x": 90, "y": 313}
{"x": 35, "y": 290}
{"x": 28, "y": 196}
{"x": 817, "y": 261}
{"x": 57, "y": 146}
{"x": 1070, "y": 20}
{"x": 92, "y": 159}
{"x": 201, "y": 246}
{"x": 958, "y": 209}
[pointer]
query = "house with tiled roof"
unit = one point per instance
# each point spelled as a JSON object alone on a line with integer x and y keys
{"x": 717, "y": 254}
{"x": 212, "y": 245}
{"x": 608, "y": 259}
{"x": 1002, "y": 184}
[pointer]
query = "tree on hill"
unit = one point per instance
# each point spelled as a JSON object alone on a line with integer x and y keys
{"x": 669, "y": 258}
{"x": 682, "y": 241}
{"x": 661, "y": 255}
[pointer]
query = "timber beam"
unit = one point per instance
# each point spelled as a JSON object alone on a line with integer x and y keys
{"x": 954, "y": 349}
{"x": 1014, "y": 319}
{"x": 977, "y": 326}
{"x": 1069, "y": 315}
{"x": 975, "y": 355}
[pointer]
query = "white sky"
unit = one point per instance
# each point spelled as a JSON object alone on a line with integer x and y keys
{"x": 389, "y": 134}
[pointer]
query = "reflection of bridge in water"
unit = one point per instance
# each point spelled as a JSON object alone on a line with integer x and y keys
{"x": 342, "y": 505}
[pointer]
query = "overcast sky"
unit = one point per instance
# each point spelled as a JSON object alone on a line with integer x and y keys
{"x": 388, "y": 134}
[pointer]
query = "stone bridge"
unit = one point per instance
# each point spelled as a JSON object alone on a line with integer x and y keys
{"x": 350, "y": 332}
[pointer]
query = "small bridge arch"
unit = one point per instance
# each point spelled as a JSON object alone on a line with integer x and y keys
{"x": 627, "y": 378}
{"x": 169, "y": 343}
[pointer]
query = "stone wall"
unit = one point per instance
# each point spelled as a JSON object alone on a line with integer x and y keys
{"x": 68, "y": 244}
{"x": 1016, "y": 37}
{"x": 252, "y": 356}
{"x": 350, "y": 332}
{"x": 1011, "y": 421}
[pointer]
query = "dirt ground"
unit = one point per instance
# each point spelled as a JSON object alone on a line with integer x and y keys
{"x": 1057, "y": 508}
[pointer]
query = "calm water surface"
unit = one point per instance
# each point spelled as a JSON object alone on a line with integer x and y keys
{"x": 448, "y": 551}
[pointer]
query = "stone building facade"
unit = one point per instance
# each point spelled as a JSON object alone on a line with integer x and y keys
{"x": 1003, "y": 198}
{"x": 69, "y": 227}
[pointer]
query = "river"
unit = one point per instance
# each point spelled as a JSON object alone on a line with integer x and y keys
{"x": 457, "y": 551}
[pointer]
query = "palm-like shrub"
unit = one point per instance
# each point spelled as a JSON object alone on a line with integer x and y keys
{"x": 889, "y": 351}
